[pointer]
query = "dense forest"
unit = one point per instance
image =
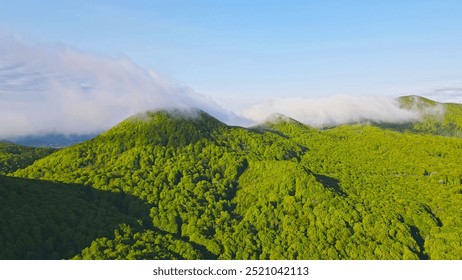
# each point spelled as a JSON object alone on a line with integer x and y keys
{"x": 182, "y": 185}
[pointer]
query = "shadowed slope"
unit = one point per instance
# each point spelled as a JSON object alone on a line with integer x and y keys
{"x": 46, "y": 220}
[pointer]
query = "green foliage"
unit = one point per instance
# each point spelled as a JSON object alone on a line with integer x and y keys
{"x": 278, "y": 191}
{"x": 14, "y": 157}
{"x": 130, "y": 244}
{"x": 45, "y": 220}
{"x": 437, "y": 118}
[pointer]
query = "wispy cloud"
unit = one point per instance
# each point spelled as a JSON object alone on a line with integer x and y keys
{"x": 451, "y": 93}
{"x": 335, "y": 110}
{"x": 47, "y": 89}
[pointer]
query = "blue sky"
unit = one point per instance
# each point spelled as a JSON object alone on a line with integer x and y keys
{"x": 263, "y": 48}
{"x": 239, "y": 52}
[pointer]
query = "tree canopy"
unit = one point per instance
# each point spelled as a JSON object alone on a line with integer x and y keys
{"x": 170, "y": 185}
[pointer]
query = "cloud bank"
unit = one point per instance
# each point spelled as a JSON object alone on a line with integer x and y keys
{"x": 58, "y": 89}
{"x": 335, "y": 110}
{"x": 47, "y": 89}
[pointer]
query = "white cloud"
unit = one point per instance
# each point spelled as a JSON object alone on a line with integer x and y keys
{"x": 47, "y": 89}
{"x": 336, "y": 110}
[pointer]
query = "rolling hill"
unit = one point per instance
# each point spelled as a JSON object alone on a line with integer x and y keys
{"x": 184, "y": 185}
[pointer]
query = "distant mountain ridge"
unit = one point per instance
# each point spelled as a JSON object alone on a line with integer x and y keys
{"x": 51, "y": 140}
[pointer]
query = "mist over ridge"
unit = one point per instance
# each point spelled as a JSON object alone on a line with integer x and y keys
{"x": 341, "y": 109}
{"x": 60, "y": 90}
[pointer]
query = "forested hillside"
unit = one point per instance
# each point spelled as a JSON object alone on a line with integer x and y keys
{"x": 182, "y": 185}
{"x": 13, "y": 157}
{"x": 437, "y": 118}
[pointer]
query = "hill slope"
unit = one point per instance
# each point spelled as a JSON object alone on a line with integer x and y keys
{"x": 13, "y": 157}
{"x": 45, "y": 220}
{"x": 437, "y": 118}
{"x": 279, "y": 191}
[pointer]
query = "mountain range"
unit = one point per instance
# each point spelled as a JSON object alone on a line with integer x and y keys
{"x": 173, "y": 184}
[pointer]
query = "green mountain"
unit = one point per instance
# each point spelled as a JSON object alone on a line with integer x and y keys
{"x": 175, "y": 184}
{"x": 437, "y": 118}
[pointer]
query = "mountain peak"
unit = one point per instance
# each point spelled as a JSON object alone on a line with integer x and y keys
{"x": 168, "y": 127}
{"x": 283, "y": 124}
{"x": 185, "y": 114}
{"x": 277, "y": 118}
{"x": 416, "y": 102}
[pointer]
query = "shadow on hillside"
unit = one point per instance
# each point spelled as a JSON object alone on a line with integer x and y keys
{"x": 398, "y": 127}
{"x": 331, "y": 184}
{"x": 47, "y": 220}
{"x": 415, "y": 232}
{"x": 263, "y": 130}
